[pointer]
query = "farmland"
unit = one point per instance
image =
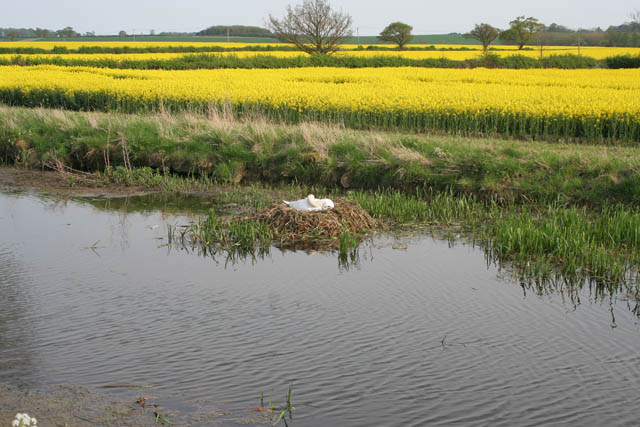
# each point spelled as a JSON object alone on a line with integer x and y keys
{"x": 597, "y": 105}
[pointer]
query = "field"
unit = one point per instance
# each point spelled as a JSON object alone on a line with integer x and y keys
{"x": 600, "y": 105}
{"x": 449, "y": 51}
{"x": 457, "y": 55}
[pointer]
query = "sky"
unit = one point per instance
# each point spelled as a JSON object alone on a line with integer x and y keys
{"x": 369, "y": 17}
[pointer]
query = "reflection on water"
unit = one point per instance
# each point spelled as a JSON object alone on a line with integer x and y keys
{"x": 15, "y": 308}
{"x": 418, "y": 332}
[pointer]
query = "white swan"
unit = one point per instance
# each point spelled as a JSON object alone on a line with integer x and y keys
{"x": 310, "y": 203}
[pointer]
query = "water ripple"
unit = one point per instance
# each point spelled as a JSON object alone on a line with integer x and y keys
{"x": 426, "y": 336}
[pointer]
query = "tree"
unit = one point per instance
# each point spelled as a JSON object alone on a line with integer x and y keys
{"x": 312, "y": 27}
{"x": 13, "y": 34}
{"x": 398, "y": 33}
{"x": 523, "y": 31}
{"x": 557, "y": 28}
{"x": 42, "y": 32}
{"x": 122, "y": 33}
{"x": 484, "y": 33}
{"x": 235, "y": 31}
{"x": 67, "y": 32}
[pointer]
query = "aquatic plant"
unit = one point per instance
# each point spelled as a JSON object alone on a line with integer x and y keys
{"x": 288, "y": 408}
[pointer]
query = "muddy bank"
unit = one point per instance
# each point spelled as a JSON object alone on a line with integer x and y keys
{"x": 56, "y": 183}
{"x": 71, "y": 406}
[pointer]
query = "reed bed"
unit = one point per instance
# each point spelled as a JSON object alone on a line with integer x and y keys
{"x": 578, "y": 242}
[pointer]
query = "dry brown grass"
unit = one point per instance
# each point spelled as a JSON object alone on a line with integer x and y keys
{"x": 321, "y": 136}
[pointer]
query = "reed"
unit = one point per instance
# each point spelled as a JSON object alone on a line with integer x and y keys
{"x": 215, "y": 232}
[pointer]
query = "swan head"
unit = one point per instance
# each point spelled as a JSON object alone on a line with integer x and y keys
{"x": 327, "y": 204}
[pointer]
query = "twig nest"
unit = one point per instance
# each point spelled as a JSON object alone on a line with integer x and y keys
{"x": 294, "y": 225}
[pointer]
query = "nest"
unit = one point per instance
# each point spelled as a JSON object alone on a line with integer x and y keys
{"x": 296, "y": 226}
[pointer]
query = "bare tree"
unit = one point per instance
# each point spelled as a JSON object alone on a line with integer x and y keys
{"x": 635, "y": 16}
{"x": 485, "y": 34}
{"x": 312, "y": 27}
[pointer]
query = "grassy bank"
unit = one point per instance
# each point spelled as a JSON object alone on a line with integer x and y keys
{"x": 230, "y": 150}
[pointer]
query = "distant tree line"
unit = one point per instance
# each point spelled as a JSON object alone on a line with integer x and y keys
{"x": 235, "y": 31}
{"x": 23, "y": 33}
{"x": 315, "y": 27}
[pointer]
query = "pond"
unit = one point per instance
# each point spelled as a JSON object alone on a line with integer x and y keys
{"x": 418, "y": 331}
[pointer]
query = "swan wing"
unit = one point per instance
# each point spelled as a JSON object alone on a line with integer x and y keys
{"x": 299, "y": 205}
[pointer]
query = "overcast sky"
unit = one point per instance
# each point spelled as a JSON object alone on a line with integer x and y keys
{"x": 426, "y": 17}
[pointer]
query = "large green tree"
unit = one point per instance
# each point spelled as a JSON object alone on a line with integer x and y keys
{"x": 398, "y": 33}
{"x": 484, "y": 33}
{"x": 523, "y": 31}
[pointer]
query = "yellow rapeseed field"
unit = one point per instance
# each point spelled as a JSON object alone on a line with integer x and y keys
{"x": 596, "y": 53}
{"x": 461, "y": 55}
{"x": 350, "y": 49}
{"x": 539, "y": 102}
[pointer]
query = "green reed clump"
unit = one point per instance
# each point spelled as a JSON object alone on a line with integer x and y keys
{"x": 603, "y": 245}
{"x": 579, "y": 242}
{"x": 241, "y": 233}
{"x": 422, "y": 207}
{"x": 287, "y": 408}
{"x": 348, "y": 248}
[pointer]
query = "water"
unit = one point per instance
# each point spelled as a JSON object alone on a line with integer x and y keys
{"x": 428, "y": 335}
